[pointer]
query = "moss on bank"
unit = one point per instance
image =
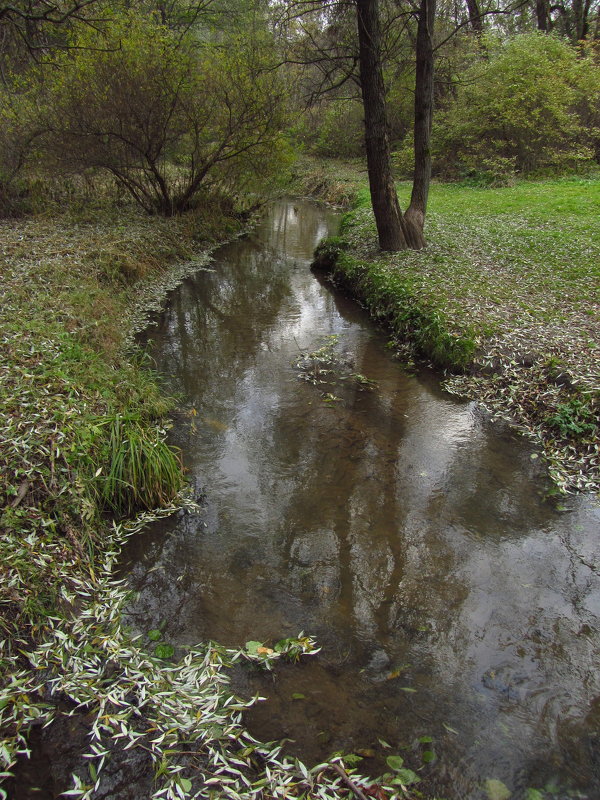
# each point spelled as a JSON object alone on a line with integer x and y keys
{"x": 505, "y": 295}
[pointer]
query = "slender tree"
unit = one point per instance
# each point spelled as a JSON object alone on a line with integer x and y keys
{"x": 336, "y": 68}
{"x": 423, "y": 118}
{"x": 388, "y": 217}
{"x": 475, "y": 18}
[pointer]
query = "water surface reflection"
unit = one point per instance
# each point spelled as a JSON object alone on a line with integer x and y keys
{"x": 400, "y": 527}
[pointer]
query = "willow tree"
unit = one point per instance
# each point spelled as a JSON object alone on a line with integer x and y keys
{"x": 395, "y": 230}
{"x": 391, "y": 228}
{"x": 162, "y": 113}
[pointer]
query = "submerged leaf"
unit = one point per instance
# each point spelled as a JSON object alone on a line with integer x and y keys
{"x": 496, "y": 790}
{"x": 406, "y": 777}
{"x": 394, "y": 762}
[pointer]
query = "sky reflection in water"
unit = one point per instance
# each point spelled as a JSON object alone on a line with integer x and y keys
{"x": 397, "y": 525}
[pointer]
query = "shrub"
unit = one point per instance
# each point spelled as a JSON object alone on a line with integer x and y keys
{"x": 17, "y": 136}
{"x": 339, "y": 130}
{"x": 527, "y": 109}
{"x": 163, "y": 114}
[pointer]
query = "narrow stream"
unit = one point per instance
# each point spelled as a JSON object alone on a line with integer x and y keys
{"x": 400, "y": 527}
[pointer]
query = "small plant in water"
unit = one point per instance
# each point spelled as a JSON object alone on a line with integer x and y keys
{"x": 327, "y": 366}
{"x": 289, "y": 649}
{"x": 316, "y": 366}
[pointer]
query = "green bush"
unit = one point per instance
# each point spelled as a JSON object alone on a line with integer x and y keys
{"x": 403, "y": 159}
{"x": 532, "y": 108}
{"x": 340, "y": 130}
{"x": 161, "y": 115}
{"x": 17, "y": 136}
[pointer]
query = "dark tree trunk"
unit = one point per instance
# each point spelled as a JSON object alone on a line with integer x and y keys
{"x": 475, "y": 18}
{"x": 542, "y": 15}
{"x": 388, "y": 217}
{"x": 581, "y": 10}
{"x": 414, "y": 218}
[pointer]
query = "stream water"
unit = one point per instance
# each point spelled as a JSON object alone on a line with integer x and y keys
{"x": 398, "y": 525}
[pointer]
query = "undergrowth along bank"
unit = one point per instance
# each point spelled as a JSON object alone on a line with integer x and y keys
{"x": 81, "y": 419}
{"x": 504, "y": 299}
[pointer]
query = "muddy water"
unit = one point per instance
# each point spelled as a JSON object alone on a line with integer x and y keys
{"x": 400, "y": 527}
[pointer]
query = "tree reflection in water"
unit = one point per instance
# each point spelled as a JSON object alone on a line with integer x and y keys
{"x": 397, "y": 525}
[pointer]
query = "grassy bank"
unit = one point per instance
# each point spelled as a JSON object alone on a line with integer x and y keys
{"x": 81, "y": 421}
{"x": 506, "y": 295}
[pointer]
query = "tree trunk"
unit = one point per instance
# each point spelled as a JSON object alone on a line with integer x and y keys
{"x": 388, "y": 217}
{"x": 475, "y": 18}
{"x": 542, "y": 15}
{"x": 414, "y": 218}
{"x": 581, "y": 10}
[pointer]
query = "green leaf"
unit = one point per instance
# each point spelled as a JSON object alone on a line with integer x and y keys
{"x": 394, "y": 762}
{"x": 185, "y": 784}
{"x": 252, "y": 647}
{"x": 426, "y": 739}
{"x": 407, "y": 689}
{"x": 352, "y": 759}
{"x": 298, "y": 696}
{"x": 164, "y": 650}
{"x": 406, "y": 777}
{"x": 154, "y": 635}
{"x": 428, "y": 756}
{"x": 496, "y": 790}
{"x": 533, "y": 794}
{"x": 449, "y": 729}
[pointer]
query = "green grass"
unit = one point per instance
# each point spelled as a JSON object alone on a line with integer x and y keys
{"x": 536, "y": 200}
{"x": 507, "y": 291}
{"x": 81, "y": 422}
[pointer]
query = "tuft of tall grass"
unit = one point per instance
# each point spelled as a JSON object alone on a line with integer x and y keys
{"x": 133, "y": 466}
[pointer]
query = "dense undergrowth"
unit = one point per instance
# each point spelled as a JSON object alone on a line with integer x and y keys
{"x": 505, "y": 298}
